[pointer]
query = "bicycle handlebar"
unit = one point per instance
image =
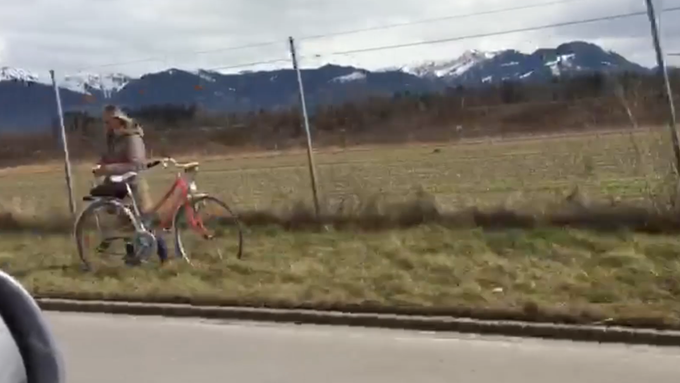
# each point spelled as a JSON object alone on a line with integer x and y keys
{"x": 153, "y": 164}
{"x": 165, "y": 163}
{"x": 172, "y": 161}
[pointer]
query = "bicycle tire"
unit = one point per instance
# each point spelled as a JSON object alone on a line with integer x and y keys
{"x": 80, "y": 221}
{"x": 179, "y": 245}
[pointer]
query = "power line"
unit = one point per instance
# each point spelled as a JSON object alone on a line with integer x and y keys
{"x": 398, "y": 25}
{"x": 150, "y": 59}
{"x": 165, "y": 57}
{"x": 123, "y": 63}
{"x": 238, "y": 47}
{"x": 272, "y": 61}
{"x": 436, "y": 19}
{"x": 500, "y": 33}
{"x": 341, "y": 33}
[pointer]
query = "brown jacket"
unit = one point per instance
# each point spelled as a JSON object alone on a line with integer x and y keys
{"x": 125, "y": 147}
{"x": 125, "y": 151}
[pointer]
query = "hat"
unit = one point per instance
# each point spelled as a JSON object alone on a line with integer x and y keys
{"x": 119, "y": 114}
{"x": 131, "y": 127}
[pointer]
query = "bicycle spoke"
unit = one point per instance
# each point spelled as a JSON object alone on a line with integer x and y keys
{"x": 207, "y": 230}
{"x": 102, "y": 234}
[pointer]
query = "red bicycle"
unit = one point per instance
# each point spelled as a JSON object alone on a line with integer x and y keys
{"x": 118, "y": 220}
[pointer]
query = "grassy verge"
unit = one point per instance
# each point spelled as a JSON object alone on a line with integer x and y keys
{"x": 558, "y": 275}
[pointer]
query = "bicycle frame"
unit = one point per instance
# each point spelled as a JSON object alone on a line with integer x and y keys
{"x": 181, "y": 184}
{"x": 187, "y": 189}
{"x": 185, "y": 183}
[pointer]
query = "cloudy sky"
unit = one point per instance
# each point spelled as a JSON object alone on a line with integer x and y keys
{"x": 137, "y": 36}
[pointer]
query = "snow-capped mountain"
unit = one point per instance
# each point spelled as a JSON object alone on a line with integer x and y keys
{"x": 475, "y": 67}
{"x": 89, "y": 83}
{"x": 17, "y": 74}
{"x": 354, "y": 76}
{"x": 207, "y": 75}
{"x": 33, "y": 107}
{"x": 85, "y": 83}
{"x": 452, "y": 68}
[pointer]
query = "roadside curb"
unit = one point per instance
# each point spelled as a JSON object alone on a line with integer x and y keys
{"x": 599, "y": 334}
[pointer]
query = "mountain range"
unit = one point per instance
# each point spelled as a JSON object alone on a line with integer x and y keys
{"x": 27, "y": 100}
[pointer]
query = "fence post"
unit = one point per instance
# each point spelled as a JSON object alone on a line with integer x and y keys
{"x": 661, "y": 63}
{"x": 305, "y": 117}
{"x": 64, "y": 143}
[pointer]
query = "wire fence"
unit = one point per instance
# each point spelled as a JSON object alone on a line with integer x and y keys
{"x": 485, "y": 128}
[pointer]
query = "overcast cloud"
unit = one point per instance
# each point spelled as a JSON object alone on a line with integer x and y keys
{"x": 70, "y": 35}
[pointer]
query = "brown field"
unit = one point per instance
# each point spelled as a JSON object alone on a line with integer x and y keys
{"x": 539, "y": 274}
{"x": 486, "y": 172}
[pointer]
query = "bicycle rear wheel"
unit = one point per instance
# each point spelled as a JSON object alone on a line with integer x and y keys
{"x": 102, "y": 232}
{"x": 207, "y": 229}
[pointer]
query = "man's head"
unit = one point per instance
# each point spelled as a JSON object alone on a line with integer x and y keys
{"x": 114, "y": 118}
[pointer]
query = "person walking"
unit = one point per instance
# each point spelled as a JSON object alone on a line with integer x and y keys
{"x": 125, "y": 152}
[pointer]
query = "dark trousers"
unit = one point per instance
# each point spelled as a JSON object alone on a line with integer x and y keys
{"x": 161, "y": 246}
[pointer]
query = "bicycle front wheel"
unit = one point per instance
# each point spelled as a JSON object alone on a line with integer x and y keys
{"x": 207, "y": 229}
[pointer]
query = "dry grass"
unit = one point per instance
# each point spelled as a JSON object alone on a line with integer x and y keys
{"x": 432, "y": 250}
{"x": 509, "y": 173}
{"x": 560, "y": 275}
{"x": 603, "y": 181}
{"x": 374, "y": 216}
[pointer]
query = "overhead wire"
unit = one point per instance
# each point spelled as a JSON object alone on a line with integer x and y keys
{"x": 254, "y": 63}
{"x": 437, "y": 19}
{"x": 450, "y": 39}
{"x": 339, "y": 33}
{"x": 497, "y": 33}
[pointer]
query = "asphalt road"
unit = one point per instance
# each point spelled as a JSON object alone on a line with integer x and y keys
{"x": 103, "y": 349}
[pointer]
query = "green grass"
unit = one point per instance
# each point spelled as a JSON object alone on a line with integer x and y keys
{"x": 541, "y": 274}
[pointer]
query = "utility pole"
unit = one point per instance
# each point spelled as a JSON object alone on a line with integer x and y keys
{"x": 661, "y": 63}
{"x": 64, "y": 145}
{"x": 310, "y": 150}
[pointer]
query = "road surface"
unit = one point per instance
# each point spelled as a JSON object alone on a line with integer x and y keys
{"x": 103, "y": 349}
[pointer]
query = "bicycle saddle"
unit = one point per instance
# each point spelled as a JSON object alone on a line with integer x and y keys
{"x": 122, "y": 177}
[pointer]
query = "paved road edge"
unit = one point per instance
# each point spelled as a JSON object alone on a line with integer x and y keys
{"x": 600, "y": 334}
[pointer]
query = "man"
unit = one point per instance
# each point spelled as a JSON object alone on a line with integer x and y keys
{"x": 125, "y": 152}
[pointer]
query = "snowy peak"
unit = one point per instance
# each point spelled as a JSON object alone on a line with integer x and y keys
{"x": 354, "y": 76}
{"x": 562, "y": 63}
{"x": 88, "y": 83}
{"x": 475, "y": 67}
{"x": 17, "y": 74}
{"x": 207, "y": 75}
{"x": 454, "y": 68}
{"x": 85, "y": 83}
